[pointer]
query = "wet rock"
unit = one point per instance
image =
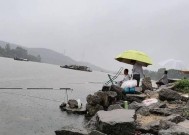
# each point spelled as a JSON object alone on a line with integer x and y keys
{"x": 93, "y": 99}
{"x": 92, "y": 110}
{"x": 63, "y": 105}
{"x": 115, "y": 106}
{"x": 174, "y": 130}
{"x": 116, "y": 122}
{"x": 135, "y": 97}
{"x": 74, "y": 110}
{"x": 169, "y": 95}
{"x": 135, "y": 105}
{"x": 95, "y": 132}
{"x": 71, "y": 131}
{"x": 73, "y": 103}
{"x": 161, "y": 111}
{"x": 147, "y": 84}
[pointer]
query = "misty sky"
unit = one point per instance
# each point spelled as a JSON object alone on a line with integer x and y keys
{"x": 96, "y": 31}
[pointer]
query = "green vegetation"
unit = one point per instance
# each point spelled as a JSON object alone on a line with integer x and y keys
{"x": 18, "y": 52}
{"x": 182, "y": 86}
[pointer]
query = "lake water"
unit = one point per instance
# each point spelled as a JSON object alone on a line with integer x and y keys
{"x": 36, "y": 112}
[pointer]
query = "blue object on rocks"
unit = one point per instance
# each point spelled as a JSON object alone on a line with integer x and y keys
{"x": 129, "y": 90}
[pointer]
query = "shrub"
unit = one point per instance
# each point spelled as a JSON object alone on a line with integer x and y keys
{"x": 182, "y": 86}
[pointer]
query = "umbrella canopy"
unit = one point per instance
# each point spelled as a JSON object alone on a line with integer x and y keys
{"x": 173, "y": 64}
{"x": 129, "y": 55}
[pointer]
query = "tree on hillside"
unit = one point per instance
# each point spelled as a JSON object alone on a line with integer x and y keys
{"x": 18, "y": 52}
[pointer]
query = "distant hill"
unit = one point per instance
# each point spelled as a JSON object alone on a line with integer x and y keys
{"x": 53, "y": 57}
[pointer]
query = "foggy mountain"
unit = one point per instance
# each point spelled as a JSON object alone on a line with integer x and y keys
{"x": 52, "y": 57}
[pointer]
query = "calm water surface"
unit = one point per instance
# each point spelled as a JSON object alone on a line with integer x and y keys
{"x": 29, "y": 112}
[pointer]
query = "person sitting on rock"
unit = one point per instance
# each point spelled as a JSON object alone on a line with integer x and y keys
{"x": 163, "y": 80}
{"x": 126, "y": 77}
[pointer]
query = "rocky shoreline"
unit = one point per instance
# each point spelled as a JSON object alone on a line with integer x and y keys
{"x": 107, "y": 115}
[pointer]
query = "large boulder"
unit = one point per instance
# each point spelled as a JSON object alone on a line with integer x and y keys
{"x": 116, "y": 122}
{"x": 73, "y": 103}
{"x": 169, "y": 95}
{"x": 147, "y": 84}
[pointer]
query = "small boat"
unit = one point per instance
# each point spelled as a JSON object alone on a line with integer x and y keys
{"x": 20, "y": 59}
{"x": 77, "y": 67}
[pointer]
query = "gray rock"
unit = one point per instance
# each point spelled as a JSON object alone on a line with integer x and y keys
{"x": 63, "y": 105}
{"x": 158, "y": 105}
{"x": 92, "y": 110}
{"x": 73, "y": 103}
{"x": 103, "y": 97}
{"x": 176, "y": 118}
{"x": 93, "y": 99}
{"x": 71, "y": 131}
{"x": 113, "y": 107}
{"x": 155, "y": 126}
{"x": 147, "y": 84}
{"x": 169, "y": 95}
{"x": 152, "y": 127}
{"x": 187, "y": 104}
{"x": 184, "y": 124}
{"x": 112, "y": 96}
{"x": 116, "y": 122}
{"x": 150, "y": 93}
{"x": 174, "y": 130}
{"x": 95, "y": 132}
{"x": 92, "y": 124}
{"x": 135, "y": 97}
{"x": 135, "y": 105}
{"x": 143, "y": 111}
{"x": 105, "y": 88}
{"x": 164, "y": 124}
{"x": 161, "y": 111}
{"x": 74, "y": 110}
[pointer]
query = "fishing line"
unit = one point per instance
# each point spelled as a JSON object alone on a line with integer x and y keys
{"x": 25, "y": 95}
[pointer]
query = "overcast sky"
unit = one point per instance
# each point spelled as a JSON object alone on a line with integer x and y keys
{"x": 96, "y": 31}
